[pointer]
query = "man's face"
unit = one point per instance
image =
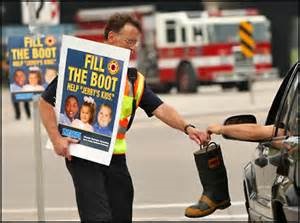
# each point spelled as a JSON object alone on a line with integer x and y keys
{"x": 128, "y": 37}
{"x": 71, "y": 108}
{"x": 19, "y": 78}
{"x": 104, "y": 116}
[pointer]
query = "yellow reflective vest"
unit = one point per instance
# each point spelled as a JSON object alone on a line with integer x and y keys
{"x": 126, "y": 111}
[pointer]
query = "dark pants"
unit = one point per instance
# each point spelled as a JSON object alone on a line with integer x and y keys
{"x": 18, "y": 111}
{"x": 103, "y": 193}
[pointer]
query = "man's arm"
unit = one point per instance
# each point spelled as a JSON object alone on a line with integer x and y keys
{"x": 171, "y": 117}
{"x": 60, "y": 144}
{"x": 243, "y": 131}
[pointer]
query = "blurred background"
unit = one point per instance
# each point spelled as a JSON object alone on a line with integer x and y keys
{"x": 283, "y": 17}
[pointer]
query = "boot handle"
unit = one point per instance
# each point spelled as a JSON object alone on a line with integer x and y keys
{"x": 207, "y": 146}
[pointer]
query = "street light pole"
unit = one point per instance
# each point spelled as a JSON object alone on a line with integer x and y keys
{"x": 37, "y": 131}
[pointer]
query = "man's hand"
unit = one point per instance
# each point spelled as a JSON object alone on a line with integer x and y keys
{"x": 214, "y": 129}
{"x": 61, "y": 146}
{"x": 199, "y": 137}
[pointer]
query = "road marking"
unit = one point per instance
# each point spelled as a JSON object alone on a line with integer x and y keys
{"x": 137, "y": 207}
{"x": 175, "y": 205}
{"x": 241, "y": 217}
{"x": 71, "y": 212}
{"x": 209, "y": 217}
{"x": 33, "y": 210}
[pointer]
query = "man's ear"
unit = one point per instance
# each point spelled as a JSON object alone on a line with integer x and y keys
{"x": 111, "y": 37}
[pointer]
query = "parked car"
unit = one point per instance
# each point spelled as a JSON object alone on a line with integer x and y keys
{"x": 271, "y": 179}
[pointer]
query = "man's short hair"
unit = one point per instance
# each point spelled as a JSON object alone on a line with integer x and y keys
{"x": 18, "y": 70}
{"x": 117, "y": 21}
{"x": 71, "y": 96}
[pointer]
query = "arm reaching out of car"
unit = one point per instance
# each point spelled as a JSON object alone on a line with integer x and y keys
{"x": 242, "y": 131}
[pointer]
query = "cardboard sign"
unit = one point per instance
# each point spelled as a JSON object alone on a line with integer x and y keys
{"x": 32, "y": 64}
{"x": 89, "y": 96}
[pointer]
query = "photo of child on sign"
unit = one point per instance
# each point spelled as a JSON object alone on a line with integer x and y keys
{"x": 86, "y": 115}
{"x": 104, "y": 117}
{"x": 89, "y": 92}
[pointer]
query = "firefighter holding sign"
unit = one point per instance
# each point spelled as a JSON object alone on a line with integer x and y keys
{"x": 105, "y": 193}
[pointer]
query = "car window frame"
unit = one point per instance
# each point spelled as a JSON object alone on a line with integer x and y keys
{"x": 280, "y": 96}
{"x": 294, "y": 102}
{"x": 281, "y": 112}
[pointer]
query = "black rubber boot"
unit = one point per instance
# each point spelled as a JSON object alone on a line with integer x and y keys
{"x": 213, "y": 177}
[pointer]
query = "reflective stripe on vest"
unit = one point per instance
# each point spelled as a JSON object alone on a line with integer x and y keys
{"x": 126, "y": 111}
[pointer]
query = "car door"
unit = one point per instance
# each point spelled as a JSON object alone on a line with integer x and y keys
{"x": 266, "y": 168}
{"x": 286, "y": 190}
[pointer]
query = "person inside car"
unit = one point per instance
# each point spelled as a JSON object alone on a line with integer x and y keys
{"x": 251, "y": 132}
{"x": 242, "y": 131}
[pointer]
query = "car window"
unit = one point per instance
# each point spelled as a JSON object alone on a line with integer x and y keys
{"x": 294, "y": 116}
{"x": 279, "y": 97}
{"x": 284, "y": 122}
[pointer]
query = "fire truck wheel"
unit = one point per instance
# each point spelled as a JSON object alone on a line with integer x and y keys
{"x": 243, "y": 86}
{"x": 161, "y": 88}
{"x": 165, "y": 88}
{"x": 186, "y": 78}
{"x": 227, "y": 86}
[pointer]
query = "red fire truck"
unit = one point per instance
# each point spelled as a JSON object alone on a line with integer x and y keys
{"x": 186, "y": 49}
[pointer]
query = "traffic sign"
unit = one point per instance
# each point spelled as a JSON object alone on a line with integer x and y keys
{"x": 246, "y": 39}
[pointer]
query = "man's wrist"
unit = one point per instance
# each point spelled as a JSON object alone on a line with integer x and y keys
{"x": 186, "y": 128}
{"x": 221, "y": 130}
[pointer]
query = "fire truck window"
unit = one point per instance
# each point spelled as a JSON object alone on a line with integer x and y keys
{"x": 222, "y": 33}
{"x": 261, "y": 31}
{"x": 171, "y": 34}
{"x": 183, "y": 35}
{"x": 197, "y": 34}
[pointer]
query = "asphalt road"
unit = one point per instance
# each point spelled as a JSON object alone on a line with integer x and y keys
{"x": 160, "y": 159}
